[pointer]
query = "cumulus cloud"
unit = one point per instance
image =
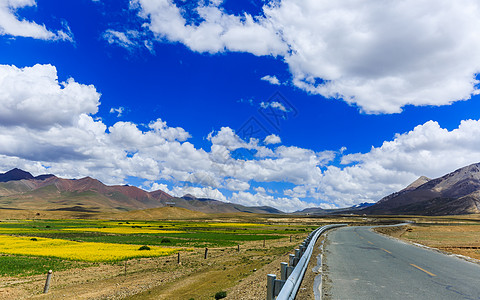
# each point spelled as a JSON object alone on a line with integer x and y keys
{"x": 199, "y": 192}
{"x": 11, "y": 24}
{"x": 427, "y": 150}
{"x": 217, "y": 32}
{"x": 260, "y": 199}
{"x": 35, "y": 94}
{"x": 380, "y": 56}
{"x": 272, "y": 139}
{"x": 272, "y": 79}
{"x": 236, "y": 185}
{"x": 71, "y": 142}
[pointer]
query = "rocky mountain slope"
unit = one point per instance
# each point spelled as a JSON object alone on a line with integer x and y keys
{"x": 214, "y": 206}
{"x": 337, "y": 211}
{"x": 19, "y": 190}
{"x": 455, "y": 193}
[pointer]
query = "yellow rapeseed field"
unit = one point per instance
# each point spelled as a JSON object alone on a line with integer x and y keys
{"x": 124, "y": 230}
{"x": 15, "y": 230}
{"x": 85, "y": 251}
{"x": 234, "y": 225}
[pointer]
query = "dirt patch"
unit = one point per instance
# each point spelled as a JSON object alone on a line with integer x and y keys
{"x": 395, "y": 231}
{"x": 453, "y": 238}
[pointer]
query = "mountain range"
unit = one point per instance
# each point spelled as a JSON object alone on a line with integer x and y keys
{"x": 452, "y": 194}
{"x": 20, "y": 190}
{"x": 455, "y": 193}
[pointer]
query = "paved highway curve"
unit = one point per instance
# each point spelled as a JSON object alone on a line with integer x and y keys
{"x": 361, "y": 264}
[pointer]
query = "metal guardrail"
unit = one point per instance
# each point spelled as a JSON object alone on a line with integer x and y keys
{"x": 292, "y": 274}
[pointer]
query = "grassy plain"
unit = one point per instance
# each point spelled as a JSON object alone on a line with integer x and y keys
{"x": 264, "y": 240}
{"x": 101, "y": 258}
{"x": 453, "y": 234}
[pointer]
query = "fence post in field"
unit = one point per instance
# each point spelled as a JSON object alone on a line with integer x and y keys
{"x": 238, "y": 248}
{"x": 125, "y": 268}
{"x": 264, "y": 242}
{"x": 206, "y": 253}
{"x": 290, "y": 239}
{"x": 47, "y": 283}
{"x": 178, "y": 258}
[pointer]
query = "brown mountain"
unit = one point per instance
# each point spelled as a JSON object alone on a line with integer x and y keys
{"x": 19, "y": 190}
{"x": 453, "y": 194}
{"x": 17, "y": 174}
{"x": 48, "y": 192}
{"x": 206, "y": 205}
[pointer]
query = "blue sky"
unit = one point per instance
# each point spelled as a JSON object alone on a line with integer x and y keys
{"x": 344, "y": 103}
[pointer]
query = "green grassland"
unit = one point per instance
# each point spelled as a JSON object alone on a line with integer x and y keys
{"x": 11, "y": 265}
{"x": 195, "y": 234}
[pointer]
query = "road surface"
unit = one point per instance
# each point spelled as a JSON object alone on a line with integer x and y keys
{"x": 361, "y": 264}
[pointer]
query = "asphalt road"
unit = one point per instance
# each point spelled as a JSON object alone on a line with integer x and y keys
{"x": 361, "y": 264}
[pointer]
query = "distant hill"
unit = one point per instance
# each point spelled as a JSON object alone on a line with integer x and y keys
{"x": 158, "y": 213}
{"x": 337, "y": 211}
{"x": 215, "y": 206}
{"x": 453, "y": 194}
{"x": 19, "y": 190}
{"x": 17, "y": 174}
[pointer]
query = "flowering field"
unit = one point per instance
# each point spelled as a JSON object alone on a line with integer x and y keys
{"x": 106, "y": 240}
{"x": 32, "y": 246}
{"x": 125, "y": 230}
{"x": 84, "y": 251}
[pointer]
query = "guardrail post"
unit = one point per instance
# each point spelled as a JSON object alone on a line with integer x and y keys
{"x": 302, "y": 249}
{"x": 271, "y": 286}
{"x": 291, "y": 257}
{"x": 47, "y": 283}
{"x": 297, "y": 257}
{"x": 283, "y": 270}
{"x": 292, "y": 275}
{"x": 289, "y": 270}
{"x": 278, "y": 286}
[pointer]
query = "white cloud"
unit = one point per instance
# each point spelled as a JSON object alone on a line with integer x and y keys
{"x": 261, "y": 199}
{"x": 377, "y": 55}
{"x": 273, "y": 104}
{"x": 128, "y": 39}
{"x": 426, "y": 150}
{"x": 169, "y": 133}
{"x": 272, "y": 139}
{"x": 236, "y": 185}
{"x": 120, "y": 38}
{"x": 119, "y": 111}
{"x": 10, "y": 24}
{"x": 35, "y": 94}
{"x": 272, "y": 79}
{"x": 217, "y": 32}
{"x": 204, "y": 192}
{"x": 154, "y": 186}
{"x": 70, "y": 142}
